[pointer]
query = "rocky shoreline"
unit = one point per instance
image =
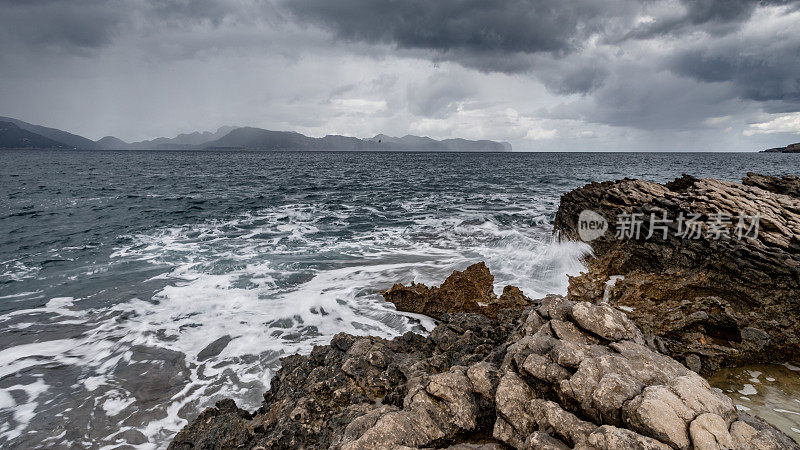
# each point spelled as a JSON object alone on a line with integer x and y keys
{"x": 614, "y": 364}
{"x": 791, "y": 148}
{"x": 708, "y": 302}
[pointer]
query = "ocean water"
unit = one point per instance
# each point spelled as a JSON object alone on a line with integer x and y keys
{"x": 769, "y": 391}
{"x": 137, "y": 288}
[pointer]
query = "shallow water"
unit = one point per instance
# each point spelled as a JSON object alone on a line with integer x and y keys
{"x": 137, "y": 288}
{"x": 769, "y": 391}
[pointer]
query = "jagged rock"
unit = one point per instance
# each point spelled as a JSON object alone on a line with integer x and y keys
{"x": 708, "y": 302}
{"x": 787, "y": 184}
{"x": 469, "y": 291}
{"x": 544, "y": 376}
{"x": 223, "y": 426}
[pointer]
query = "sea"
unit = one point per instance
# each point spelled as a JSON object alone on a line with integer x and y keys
{"x": 137, "y": 288}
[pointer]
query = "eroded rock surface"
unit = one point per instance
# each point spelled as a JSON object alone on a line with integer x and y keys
{"x": 708, "y": 302}
{"x": 471, "y": 290}
{"x": 787, "y": 184}
{"x": 553, "y": 374}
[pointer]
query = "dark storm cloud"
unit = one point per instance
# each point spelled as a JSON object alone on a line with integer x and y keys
{"x": 758, "y": 71}
{"x": 579, "y": 74}
{"x": 470, "y": 31}
{"x": 214, "y": 12}
{"x": 638, "y": 99}
{"x": 78, "y": 26}
{"x": 84, "y": 26}
{"x": 541, "y": 37}
{"x": 716, "y": 17}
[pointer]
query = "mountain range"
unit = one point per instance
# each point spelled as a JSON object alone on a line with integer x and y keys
{"x": 15, "y": 133}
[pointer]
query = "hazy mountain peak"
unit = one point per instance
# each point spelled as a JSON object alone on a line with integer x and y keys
{"x": 244, "y": 138}
{"x": 112, "y": 143}
{"x": 53, "y": 134}
{"x": 13, "y": 136}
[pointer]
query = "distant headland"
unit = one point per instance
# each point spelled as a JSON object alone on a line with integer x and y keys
{"x": 15, "y": 133}
{"x": 791, "y": 148}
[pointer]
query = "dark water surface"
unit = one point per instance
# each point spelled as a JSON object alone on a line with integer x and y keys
{"x": 136, "y": 288}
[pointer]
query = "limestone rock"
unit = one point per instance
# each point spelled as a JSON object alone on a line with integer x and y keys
{"x": 710, "y": 432}
{"x": 787, "y": 184}
{"x": 711, "y": 299}
{"x": 606, "y": 322}
{"x": 608, "y": 437}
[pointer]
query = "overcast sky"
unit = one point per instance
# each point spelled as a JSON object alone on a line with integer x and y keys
{"x": 545, "y": 75}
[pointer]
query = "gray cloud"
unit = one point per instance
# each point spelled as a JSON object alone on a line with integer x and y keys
{"x": 716, "y": 17}
{"x": 74, "y": 26}
{"x": 368, "y": 66}
{"x": 86, "y": 26}
{"x": 759, "y": 70}
{"x": 661, "y": 101}
{"x": 438, "y": 96}
{"x": 557, "y": 41}
{"x": 476, "y": 33}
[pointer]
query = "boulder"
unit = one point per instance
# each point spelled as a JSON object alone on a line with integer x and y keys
{"x": 710, "y": 432}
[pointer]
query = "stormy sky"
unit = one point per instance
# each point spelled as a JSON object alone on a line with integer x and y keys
{"x": 666, "y": 75}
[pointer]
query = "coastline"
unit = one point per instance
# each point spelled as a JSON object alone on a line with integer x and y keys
{"x": 560, "y": 371}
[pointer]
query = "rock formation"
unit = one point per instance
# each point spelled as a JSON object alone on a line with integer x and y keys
{"x": 791, "y": 148}
{"x": 708, "y": 302}
{"x": 551, "y": 373}
{"x": 787, "y": 184}
{"x": 469, "y": 291}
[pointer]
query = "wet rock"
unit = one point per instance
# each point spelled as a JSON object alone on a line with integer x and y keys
{"x": 133, "y": 437}
{"x": 694, "y": 363}
{"x": 223, "y": 426}
{"x": 471, "y": 290}
{"x": 742, "y": 433}
{"x": 214, "y": 348}
{"x": 556, "y": 374}
{"x": 727, "y": 301}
